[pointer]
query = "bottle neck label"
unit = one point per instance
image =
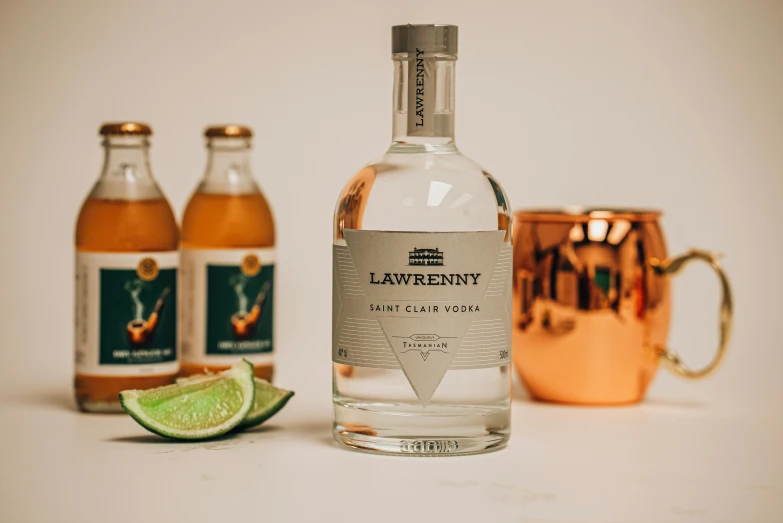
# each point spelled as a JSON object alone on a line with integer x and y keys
{"x": 421, "y": 94}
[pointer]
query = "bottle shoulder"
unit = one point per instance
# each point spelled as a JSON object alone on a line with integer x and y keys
{"x": 132, "y": 189}
{"x": 118, "y": 225}
{"x": 223, "y": 220}
{"x": 422, "y": 192}
{"x": 240, "y": 186}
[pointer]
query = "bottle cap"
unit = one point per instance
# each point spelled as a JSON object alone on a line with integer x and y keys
{"x": 125, "y": 128}
{"x": 430, "y": 38}
{"x": 228, "y": 131}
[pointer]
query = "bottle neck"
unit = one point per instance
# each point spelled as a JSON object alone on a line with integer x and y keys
{"x": 228, "y": 167}
{"x": 126, "y": 159}
{"x": 424, "y": 101}
{"x": 126, "y": 173}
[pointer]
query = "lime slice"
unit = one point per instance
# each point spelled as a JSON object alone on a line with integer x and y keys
{"x": 195, "y": 409}
{"x": 269, "y": 400}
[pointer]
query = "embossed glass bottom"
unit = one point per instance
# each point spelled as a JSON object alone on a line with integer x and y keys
{"x": 438, "y": 434}
{"x": 465, "y": 417}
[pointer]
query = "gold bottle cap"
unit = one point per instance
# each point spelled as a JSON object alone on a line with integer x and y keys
{"x": 125, "y": 128}
{"x": 228, "y": 131}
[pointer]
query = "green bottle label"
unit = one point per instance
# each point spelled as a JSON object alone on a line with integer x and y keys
{"x": 239, "y": 312}
{"x": 228, "y": 305}
{"x": 138, "y": 317}
{"x": 126, "y": 313}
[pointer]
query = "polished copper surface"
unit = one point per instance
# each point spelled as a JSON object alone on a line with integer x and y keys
{"x": 592, "y": 303}
{"x": 578, "y": 214}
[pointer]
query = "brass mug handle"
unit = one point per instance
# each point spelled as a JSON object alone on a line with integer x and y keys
{"x": 671, "y": 267}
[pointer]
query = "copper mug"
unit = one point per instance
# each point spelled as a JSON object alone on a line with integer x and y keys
{"x": 592, "y": 303}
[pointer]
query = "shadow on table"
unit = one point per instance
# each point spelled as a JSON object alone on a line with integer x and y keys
{"x": 145, "y": 438}
{"x": 312, "y": 432}
{"x": 519, "y": 394}
{"x": 677, "y": 403}
{"x": 53, "y": 398}
{"x": 208, "y": 444}
{"x": 522, "y": 396}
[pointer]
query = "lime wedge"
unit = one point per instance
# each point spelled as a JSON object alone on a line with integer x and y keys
{"x": 195, "y": 409}
{"x": 268, "y": 402}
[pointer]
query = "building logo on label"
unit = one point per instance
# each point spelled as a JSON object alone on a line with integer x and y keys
{"x": 425, "y": 257}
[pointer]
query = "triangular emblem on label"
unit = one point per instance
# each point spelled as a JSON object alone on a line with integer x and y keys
{"x": 425, "y": 348}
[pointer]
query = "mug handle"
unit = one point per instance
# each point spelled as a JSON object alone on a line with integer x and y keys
{"x": 671, "y": 267}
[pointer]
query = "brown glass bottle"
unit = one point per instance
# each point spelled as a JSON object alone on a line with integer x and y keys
{"x": 126, "y": 276}
{"x": 228, "y": 238}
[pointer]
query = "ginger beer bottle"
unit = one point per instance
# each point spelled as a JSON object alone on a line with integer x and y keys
{"x": 228, "y": 239}
{"x": 126, "y": 277}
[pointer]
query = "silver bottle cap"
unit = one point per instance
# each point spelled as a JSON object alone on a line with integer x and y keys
{"x": 432, "y": 38}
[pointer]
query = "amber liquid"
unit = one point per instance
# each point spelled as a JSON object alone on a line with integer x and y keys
{"x": 122, "y": 226}
{"x": 227, "y": 221}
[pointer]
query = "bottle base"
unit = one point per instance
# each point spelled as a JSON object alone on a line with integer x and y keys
{"x": 401, "y": 429}
{"x": 100, "y": 394}
{"x": 100, "y": 407}
{"x": 429, "y": 447}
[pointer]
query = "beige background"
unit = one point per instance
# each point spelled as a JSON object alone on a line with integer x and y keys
{"x": 677, "y": 105}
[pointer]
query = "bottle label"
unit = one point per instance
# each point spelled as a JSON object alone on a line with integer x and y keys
{"x": 421, "y": 93}
{"x": 426, "y": 303}
{"x": 227, "y": 305}
{"x": 126, "y": 313}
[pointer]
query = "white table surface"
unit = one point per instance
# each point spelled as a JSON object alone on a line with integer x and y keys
{"x": 680, "y": 461}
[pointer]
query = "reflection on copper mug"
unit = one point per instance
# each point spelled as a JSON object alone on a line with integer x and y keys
{"x": 592, "y": 301}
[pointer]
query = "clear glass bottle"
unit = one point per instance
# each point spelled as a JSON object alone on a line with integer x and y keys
{"x": 228, "y": 240}
{"x": 411, "y": 230}
{"x": 126, "y": 277}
